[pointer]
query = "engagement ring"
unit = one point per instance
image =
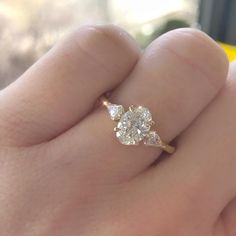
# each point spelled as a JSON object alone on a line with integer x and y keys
{"x": 135, "y": 126}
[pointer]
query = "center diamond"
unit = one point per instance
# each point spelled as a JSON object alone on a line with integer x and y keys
{"x": 134, "y": 125}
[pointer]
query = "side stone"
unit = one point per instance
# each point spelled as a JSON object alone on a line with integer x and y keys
{"x": 152, "y": 139}
{"x": 115, "y": 111}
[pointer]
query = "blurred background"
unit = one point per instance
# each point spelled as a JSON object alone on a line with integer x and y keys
{"x": 29, "y": 28}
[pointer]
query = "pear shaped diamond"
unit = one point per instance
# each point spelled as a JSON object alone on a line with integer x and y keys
{"x": 115, "y": 111}
{"x": 152, "y": 139}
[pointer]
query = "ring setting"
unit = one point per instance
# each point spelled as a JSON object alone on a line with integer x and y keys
{"x": 134, "y": 126}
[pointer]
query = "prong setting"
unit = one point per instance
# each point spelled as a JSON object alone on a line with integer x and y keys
{"x": 132, "y": 108}
{"x": 134, "y": 126}
{"x": 116, "y": 129}
{"x": 152, "y": 123}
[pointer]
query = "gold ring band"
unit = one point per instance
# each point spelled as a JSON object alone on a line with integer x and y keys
{"x": 134, "y": 126}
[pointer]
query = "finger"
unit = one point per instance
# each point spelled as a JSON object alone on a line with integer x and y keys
{"x": 63, "y": 86}
{"x": 202, "y": 172}
{"x": 172, "y": 82}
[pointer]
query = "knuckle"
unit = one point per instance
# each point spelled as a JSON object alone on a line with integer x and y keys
{"x": 198, "y": 51}
{"x": 108, "y": 36}
{"x": 105, "y": 46}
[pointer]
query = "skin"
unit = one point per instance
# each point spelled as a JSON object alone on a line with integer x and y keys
{"x": 62, "y": 172}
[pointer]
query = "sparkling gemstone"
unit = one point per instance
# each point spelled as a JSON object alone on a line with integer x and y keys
{"x": 152, "y": 139}
{"x": 134, "y": 125}
{"x": 115, "y": 111}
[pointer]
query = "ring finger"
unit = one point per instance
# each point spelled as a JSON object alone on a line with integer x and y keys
{"x": 178, "y": 75}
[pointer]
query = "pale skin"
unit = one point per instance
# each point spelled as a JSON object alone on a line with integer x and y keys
{"x": 62, "y": 172}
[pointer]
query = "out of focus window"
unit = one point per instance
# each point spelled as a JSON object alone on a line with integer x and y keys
{"x": 29, "y": 28}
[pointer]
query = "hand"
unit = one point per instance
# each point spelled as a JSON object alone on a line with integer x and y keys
{"x": 62, "y": 171}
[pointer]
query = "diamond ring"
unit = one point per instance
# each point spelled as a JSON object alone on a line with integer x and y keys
{"x": 134, "y": 126}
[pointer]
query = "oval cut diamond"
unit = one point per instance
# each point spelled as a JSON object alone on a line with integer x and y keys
{"x": 134, "y": 125}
